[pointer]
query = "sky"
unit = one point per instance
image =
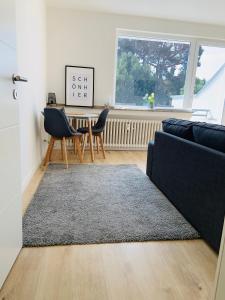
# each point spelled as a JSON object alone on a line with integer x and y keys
{"x": 211, "y": 60}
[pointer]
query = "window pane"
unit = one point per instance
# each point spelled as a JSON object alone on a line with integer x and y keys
{"x": 209, "y": 84}
{"x": 151, "y": 66}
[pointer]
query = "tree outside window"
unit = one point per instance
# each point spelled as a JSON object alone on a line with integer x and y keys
{"x": 152, "y": 66}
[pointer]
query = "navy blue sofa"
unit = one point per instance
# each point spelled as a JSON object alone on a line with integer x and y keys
{"x": 185, "y": 164}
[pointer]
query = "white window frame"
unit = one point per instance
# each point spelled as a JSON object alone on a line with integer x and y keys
{"x": 195, "y": 43}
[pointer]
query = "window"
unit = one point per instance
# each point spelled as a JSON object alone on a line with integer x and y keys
{"x": 209, "y": 91}
{"x": 146, "y": 66}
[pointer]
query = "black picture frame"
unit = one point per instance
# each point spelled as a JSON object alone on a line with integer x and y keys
{"x": 68, "y": 101}
{"x": 51, "y": 99}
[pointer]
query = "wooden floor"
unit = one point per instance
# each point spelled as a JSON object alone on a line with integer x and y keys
{"x": 182, "y": 270}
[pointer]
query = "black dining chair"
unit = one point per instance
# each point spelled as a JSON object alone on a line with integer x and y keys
{"x": 97, "y": 130}
{"x": 57, "y": 125}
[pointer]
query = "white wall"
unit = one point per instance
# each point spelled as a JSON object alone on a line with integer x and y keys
{"x": 31, "y": 49}
{"x": 88, "y": 39}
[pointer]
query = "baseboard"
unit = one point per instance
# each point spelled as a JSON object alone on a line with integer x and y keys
{"x": 28, "y": 178}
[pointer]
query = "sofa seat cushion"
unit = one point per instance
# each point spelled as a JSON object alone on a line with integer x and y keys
{"x": 210, "y": 135}
{"x": 177, "y": 127}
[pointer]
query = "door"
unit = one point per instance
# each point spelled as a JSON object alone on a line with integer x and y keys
{"x": 10, "y": 177}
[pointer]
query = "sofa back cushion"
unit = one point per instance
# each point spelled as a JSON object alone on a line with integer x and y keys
{"x": 181, "y": 128}
{"x": 210, "y": 135}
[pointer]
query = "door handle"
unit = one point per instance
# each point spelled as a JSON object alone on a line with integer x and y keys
{"x": 18, "y": 78}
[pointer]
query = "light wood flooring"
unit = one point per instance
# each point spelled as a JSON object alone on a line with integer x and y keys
{"x": 182, "y": 270}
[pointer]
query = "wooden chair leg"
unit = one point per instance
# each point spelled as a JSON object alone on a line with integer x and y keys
{"x": 84, "y": 144}
{"x": 102, "y": 146}
{"x": 90, "y": 140}
{"x": 97, "y": 142}
{"x": 51, "y": 149}
{"x": 65, "y": 151}
{"x": 47, "y": 156}
{"x": 77, "y": 142}
{"x": 81, "y": 150}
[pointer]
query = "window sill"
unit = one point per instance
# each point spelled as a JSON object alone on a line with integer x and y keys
{"x": 156, "y": 109}
{"x": 136, "y": 112}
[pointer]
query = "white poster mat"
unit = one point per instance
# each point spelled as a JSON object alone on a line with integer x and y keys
{"x": 79, "y": 86}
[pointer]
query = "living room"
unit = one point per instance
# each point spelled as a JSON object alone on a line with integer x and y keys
{"x": 127, "y": 203}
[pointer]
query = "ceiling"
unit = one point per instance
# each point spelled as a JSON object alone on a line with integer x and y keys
{"x": 201, "y": 11}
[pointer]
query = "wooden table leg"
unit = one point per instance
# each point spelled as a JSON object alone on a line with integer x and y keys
{"x": 90, "y": 139}
{"x": 62, "y": 153}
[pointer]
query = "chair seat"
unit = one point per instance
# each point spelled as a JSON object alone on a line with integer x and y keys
{"x": 75, "y": 132}
{"x": 86, "y": 130}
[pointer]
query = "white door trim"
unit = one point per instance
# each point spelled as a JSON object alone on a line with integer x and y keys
{"x": 219, "y": 290}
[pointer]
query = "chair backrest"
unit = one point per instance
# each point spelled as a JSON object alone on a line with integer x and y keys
{"x": 56, "y": 123}
{"x": 100, "y": 124}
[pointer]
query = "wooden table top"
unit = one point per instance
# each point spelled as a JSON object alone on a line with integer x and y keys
{"x": 81, "y": 115}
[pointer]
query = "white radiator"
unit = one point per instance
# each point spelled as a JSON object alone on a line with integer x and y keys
{"x": 127, "y": 134}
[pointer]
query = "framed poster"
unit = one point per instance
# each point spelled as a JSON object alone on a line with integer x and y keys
{"x": 79, "y": 86}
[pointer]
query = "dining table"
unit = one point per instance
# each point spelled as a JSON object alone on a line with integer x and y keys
{"x": 88, "y": 117}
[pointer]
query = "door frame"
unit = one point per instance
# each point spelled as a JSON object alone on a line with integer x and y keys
{"x": 219, "y": 288}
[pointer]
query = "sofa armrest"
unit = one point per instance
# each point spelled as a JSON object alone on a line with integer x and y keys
{"x": 149, "y": 158}
{"x": 192, "y": 176}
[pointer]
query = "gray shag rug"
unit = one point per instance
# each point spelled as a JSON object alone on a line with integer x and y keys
{"x": 88, "y": 204}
